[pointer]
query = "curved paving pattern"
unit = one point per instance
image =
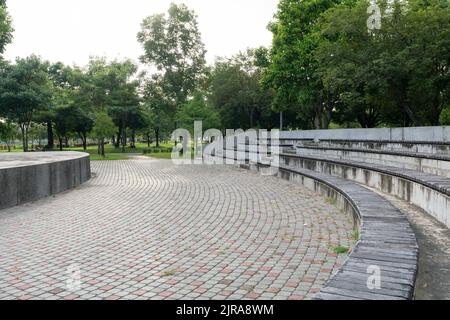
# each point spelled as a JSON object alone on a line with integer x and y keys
{"x": 146, "y": 229}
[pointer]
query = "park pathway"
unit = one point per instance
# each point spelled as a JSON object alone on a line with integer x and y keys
{"x": 147, "y": 229}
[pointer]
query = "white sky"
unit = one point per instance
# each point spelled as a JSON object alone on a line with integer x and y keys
{"x": 72, "y": 30}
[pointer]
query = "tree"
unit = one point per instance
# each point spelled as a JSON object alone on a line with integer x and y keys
{"x": 110, "y": 88}
{"x": 445, "y": 117}
{"x": 24, "y": 90}
{"x": 124, "y": 101}
{"x": 82, "y": 125}
{"x": 37, "y": 133}
{"x": 348, "y": 66}
{"x": 159, "y": 111}
{"x": 395, "y": 75}
{"x": 292, "y": 72}
{"x": 103, "y": 128}
{"x": 63, "y": 125}
{"x": 236, "y": 92}
{"x": 6, "y": 28}
{"x": 173, "y": 46}
{"x": 136, "y": 121}
{"x": 72, "y": 119}
{"x": 65, "y": 83}
{"x": 197, "y": 110}
{"x": 8, "y": 133}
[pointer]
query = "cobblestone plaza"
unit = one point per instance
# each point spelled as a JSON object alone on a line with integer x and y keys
{"x": 147, "y": 229}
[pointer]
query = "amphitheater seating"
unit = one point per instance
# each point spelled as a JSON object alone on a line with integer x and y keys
{"x": 386, "y": 241}
{"x": 411, "y": 163}
{"x": 429, "y": 191}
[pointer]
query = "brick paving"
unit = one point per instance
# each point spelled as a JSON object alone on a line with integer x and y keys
{"x": 146, "y": 229}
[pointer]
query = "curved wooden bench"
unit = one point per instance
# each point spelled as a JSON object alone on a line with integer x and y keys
{"x": 387, "y": 242}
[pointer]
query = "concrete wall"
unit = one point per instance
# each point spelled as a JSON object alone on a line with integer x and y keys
{"x": 28, "y": 177}
{"x": 433, "y": 202}
{"x": 418, "y": 134}
{"x": 426, "y": 165}
{"x": 433, "y": 139}
{"x": 435, "y": 148}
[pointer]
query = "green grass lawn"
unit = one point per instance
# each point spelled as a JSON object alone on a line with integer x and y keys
{"x": 160, "y": 155}
{"x": 113, "y": 153}
{"x": 97, "y": 157}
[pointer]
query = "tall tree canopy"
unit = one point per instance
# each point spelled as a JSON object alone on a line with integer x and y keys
{"x": 327, "y": 65}
{"x": 395, "y": 75}
{"x": 292, "y": 72}
{"x": 175, "y": 54}
{"x": 6, "y": 28}
{"x": 25, "y": 89}
{"x": 173, "y": 45}
{"x": 198, "y": 110}
{"x": 236, "y": 92}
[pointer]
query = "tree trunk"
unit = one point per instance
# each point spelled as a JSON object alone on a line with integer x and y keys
{"x": 124, "y": 139}
{"x": 50, "y": 136}
{"x": 83, "y": 138}
{"x": 148, "y": 139}
{"x": 103, "y": 147}
{"x": 24, "y": 130}
{"x": 133, "y": 138}
{"x": 157, "y": 137}
{"x": 119, "y": 137}
{"x": 60, "y": 144}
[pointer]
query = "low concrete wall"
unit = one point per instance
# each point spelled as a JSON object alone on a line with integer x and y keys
{"x": 435, "y": 203}
{"x": 418, "y": 134}
{"x": 422, "y": 164}
{"x": 30, "y": 176}
{"x": 433, "y": 148}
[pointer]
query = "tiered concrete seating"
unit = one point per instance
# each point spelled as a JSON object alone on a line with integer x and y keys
{"x": 410, "y": 163}
{"x": 419, "y": 178}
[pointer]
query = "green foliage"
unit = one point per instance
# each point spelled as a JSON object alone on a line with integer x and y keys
{"x": 197, "y": 110}
{"x": 397, "y": 75}
{"x": 160, "y": 112}
{"x": 326, "y": 66}
{"x": 293, "y": 71}
{"x": 25, "y": 89}
{"x": 8, "y": 133}
{"x": 6, "y": 28}
{"x": 103, "y": 126}
{"x": 157, "y": 150}
{"x": 445, "y": 117}
{"x": 108, "y": 157}
{"x": 341, "y": 250}
{"x": 172, "y": 44}
{"x": 37, "y": 133}
{"x": 72, "y": 119}
{"x": 356, "y": 235}
{"x": 237, "y": 94}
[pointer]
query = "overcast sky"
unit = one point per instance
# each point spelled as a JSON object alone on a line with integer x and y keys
{"x": 72, "y": 30}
